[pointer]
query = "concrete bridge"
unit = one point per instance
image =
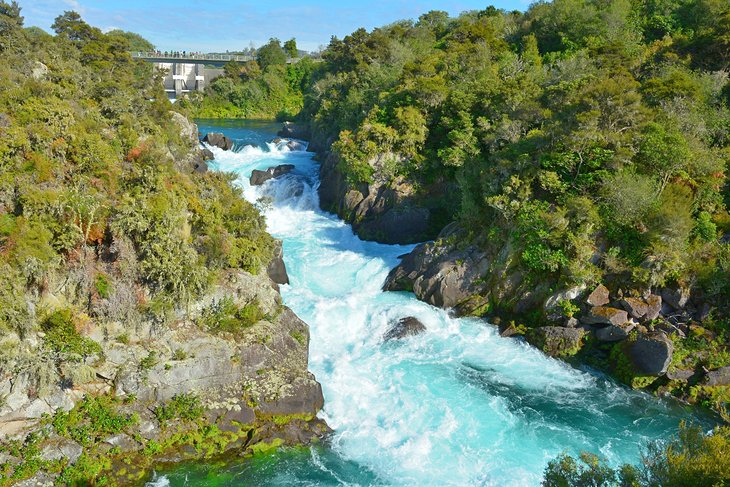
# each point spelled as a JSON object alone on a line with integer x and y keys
{"x": 186, "y": 72}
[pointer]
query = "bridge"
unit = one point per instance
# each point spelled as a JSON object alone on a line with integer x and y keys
{"x": 186, "y": 72}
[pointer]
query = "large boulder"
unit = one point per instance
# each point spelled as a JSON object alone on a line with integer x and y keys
{"x": 277, "y": 269}
{"x": 557, "y": 341}
{"x": 653, "y": 307}
{"x": 447, "y": 278}
{"x": 677, "y": 298}
{"x": 599, "y": 296}
{"x": 651, "y": 353}
{"x": 292, "y": 130}
{"x": 604, "y": 315}
{"x": 635, "y": 307}
{"x": 259, "y": 177}
{"x": 295, "y": 145}
{"x": 718, "y": 377}
{"x": 614, "y": 333}
{"x": 218, "y": 140}
{"x": 405, "y": 327}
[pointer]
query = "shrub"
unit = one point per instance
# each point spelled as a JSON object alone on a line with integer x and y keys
{"x": 226, "y": 316}
{"x": 62, "y": 337}
{"x": 181, "y": 406}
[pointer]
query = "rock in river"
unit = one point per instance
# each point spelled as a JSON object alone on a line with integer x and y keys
{"x": 405, "y": 327}
{"x": 218, "y": 140}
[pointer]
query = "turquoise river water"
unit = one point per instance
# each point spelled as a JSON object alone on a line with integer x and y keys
{"x": 457, "y": 405}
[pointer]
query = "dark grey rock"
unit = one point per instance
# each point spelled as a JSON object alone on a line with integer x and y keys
{"x": 604, "y": 315}
{"x": 207, "y": 154}
{"x": 653, "y": 307}
{"x": 200, "y": 167}
{"x": 614, "y": 333}
{"x": 635, "y": 307}
{"x": 277, "y": 269}
{"x": 718, "y": 377}
{"x": 291, "y": 130}
{"x": 677, "y": 298}
{"x": 218, "y": 140}
{"x": 295, "y": 145}
{"x": 651, "y": 353}
{"x": 259, "y": 177}
{"x": 405, "y": 327}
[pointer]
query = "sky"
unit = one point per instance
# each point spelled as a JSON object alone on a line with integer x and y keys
{"x": 221, "y": 25}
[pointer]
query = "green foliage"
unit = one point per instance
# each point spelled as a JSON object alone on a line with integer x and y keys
{"x": 92, "y": 419}
{"x": 61, "y": 335}
{"x": 691, "y": 458}
{"x": 225, "y": 316}
{"x": 181, "y": 406}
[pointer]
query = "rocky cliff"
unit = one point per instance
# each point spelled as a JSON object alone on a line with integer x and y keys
{"x": 387, "y": 209}
{"x": 108, "y": 378}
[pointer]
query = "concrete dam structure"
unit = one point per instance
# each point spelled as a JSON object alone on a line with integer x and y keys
{"x": 188, "y": 72}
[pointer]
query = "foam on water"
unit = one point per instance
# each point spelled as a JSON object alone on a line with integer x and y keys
{"x": 457, "y": 405}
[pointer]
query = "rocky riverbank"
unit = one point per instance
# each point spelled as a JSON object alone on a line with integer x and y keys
{"x": 655, "y": 338}
{"x": 647, "y": 337}
{"x": 112, "y": 383}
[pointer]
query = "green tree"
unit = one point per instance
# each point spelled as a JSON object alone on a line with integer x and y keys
{"x": 290, "y": 47}
{"x": 271, "y": 54}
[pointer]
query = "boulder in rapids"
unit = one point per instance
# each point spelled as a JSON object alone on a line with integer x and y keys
{"x": 218, "y": 140}
{"x": 295, "y": 145}
{"x": 405, "y": 327}
{"x": 292, "y": 130}
{"x": 277, "y": 268}
{"x": 259, "y": 177}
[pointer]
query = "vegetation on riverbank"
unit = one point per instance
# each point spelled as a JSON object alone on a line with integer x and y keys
{"x": 265, "y": 88}
{"x": 691, "y": 458}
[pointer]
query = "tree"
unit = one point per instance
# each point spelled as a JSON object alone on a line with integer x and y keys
{"x": 71, "y": 26}
{"x": 271, "y": 54}
{"x": 290, "y": 47}
{"x": 135, "y": 41}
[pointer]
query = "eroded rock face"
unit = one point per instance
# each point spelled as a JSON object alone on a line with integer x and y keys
{"x": 384, "y": 211}
{"x": 651, "y": 353}
{"x": 218, "y": 140}
{"x": 403, "y": 328}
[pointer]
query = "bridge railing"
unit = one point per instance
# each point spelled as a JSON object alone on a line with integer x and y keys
{"x": 190, "y": 56}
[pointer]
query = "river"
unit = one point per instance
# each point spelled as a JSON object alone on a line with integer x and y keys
{"x": 457, "y": 405}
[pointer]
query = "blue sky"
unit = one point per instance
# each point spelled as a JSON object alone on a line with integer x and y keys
{"x": 219, "y": 25}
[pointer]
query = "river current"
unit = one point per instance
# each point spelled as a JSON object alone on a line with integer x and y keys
{"x": 457, "y": 405}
